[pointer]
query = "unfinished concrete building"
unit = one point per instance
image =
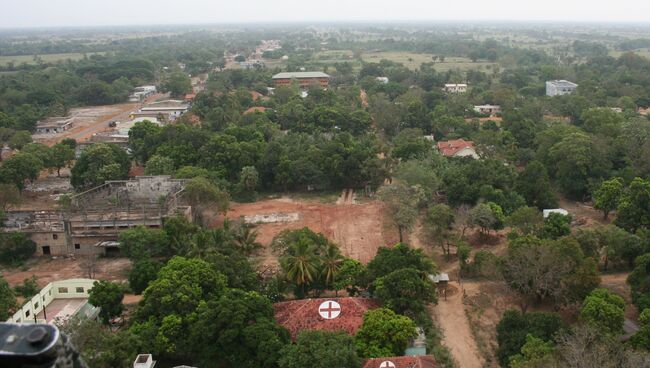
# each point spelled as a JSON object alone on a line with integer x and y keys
{"x": 91, "y": 223}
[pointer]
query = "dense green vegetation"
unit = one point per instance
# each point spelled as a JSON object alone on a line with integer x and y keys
{"x": 202, "y": 284}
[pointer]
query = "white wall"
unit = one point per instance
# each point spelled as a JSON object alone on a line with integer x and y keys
{"x": 53, "y": 290}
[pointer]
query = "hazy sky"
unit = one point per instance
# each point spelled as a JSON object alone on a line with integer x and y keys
{"x": 43, "y": 13}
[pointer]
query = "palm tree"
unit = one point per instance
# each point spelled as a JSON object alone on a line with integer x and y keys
{"x": 246, "y": 238}
{"x": 300, "y": 264}
{"x": 331, "y": 262}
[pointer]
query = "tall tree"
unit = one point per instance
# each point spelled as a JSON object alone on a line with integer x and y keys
{"x": 440, "y": 222}
{"x": 406, "y": 291}
{"x": 535, "y": 186}
{"x": 242, "y": 330}
{"x": 202, "y": 193}
{"x": 331, "y": 261}
{"x": 607, "y": 196}
{"x": 384, "y": 333}
{"x": 108, "y": 297}
{"x": 605, "y": 311}
{"x": 20, "y": 168}
{"x": 402, "y": 202}
{"x": 99, "y": 163}
{"x": 634, "y": 207}
{"x": 61, "y": 156}
{"x": 300, "y": 264}
{"x": 319, "y": 349}
{"x": 8, "y": 303}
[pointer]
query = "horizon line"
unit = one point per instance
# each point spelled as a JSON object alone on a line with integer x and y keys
{"x": 535, "y": 22}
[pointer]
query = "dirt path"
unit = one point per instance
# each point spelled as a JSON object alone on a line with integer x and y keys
{"x": 457, "y": 334}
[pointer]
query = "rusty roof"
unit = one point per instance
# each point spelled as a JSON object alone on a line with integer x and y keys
{"x": 424, "y": 361}
{"x": 300, "y": 315}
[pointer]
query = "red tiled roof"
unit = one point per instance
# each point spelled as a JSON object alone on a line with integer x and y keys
{"x": 425, "y": 361}
{"x": 190, "y": 96}
{"x": 255, "y": 109}
{"x": 256, "y": 95}
{"x": 300, "y": 315}
{"x": 450, "y": 148}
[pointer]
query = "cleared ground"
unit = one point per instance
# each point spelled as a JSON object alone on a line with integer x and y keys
{"x": 90, "y": 120}
{"x": 47, "y": 270}
{"x": 358, "y": 229}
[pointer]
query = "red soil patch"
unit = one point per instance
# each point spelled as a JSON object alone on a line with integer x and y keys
{"x": 47, "y": 270}
{"x": 358, "y": 229}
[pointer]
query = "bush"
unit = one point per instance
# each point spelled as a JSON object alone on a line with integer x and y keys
{"x": 15, "y": 248}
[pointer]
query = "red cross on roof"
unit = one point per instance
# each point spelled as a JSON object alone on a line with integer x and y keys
{"x": 329, "y": 309}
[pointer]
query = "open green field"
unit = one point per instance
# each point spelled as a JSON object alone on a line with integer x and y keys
{"x": 48, "y": 58}
{"x": 641, "y": 52}
{"x": 333, "y": 56}
{"x": 413, "y": 60}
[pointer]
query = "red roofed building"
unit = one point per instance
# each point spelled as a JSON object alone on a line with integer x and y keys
{"x": 190, "y": 96}
{"x": 334, "y": 314}
{"x": 256, "y": 95}
{"x": 424, "y": 361}
{"x": 255, "y": 109}
{"x": 457, "y": 148}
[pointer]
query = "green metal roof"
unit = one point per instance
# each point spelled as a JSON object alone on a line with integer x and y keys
{"x": 299, "y": 75}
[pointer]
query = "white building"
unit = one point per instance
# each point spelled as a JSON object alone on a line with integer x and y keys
{"x": 168, "y": 110}
{"x": 142, "y": 92}
{"x": 58, "y": 301}
{"x": 488, "y": 109}
{"x": 55, "y": 124}
{"x": 382, "y": 80}
{"x": 561, "y": 211}
{"x": 560, "y": 87}
{"x": 455, "y": 88}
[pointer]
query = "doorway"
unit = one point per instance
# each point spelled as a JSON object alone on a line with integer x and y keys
{"x": 46, "y": 250}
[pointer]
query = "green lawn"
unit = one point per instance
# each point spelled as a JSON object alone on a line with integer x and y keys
{"x": 48, "y": 58}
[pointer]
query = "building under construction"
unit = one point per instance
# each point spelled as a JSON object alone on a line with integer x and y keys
{"x": 92, "y": 221}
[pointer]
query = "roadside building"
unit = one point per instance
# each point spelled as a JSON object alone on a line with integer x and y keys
{"x": 141, "y": 93}
{"x": 304, "y": 79}
{"x": 166, "y": 110}
{"x": 488, "y": 109}
{"x": 455, "y": 88}
{"x": 457, "y": 148}
{"x": 55, "y": 124}
{"x": 560, "y": 87}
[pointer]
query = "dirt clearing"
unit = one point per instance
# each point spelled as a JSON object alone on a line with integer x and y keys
{"x": 88, "y": 121}
{"x": 47, "y": 270}
{"x": 358, "y": 229}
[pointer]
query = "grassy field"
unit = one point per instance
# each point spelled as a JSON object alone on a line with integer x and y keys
{"x": 641, "y": 52}
{"x": 48, "y": 58}
{"x": 413, "y": 60}
{"x": 333, "y": 56}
